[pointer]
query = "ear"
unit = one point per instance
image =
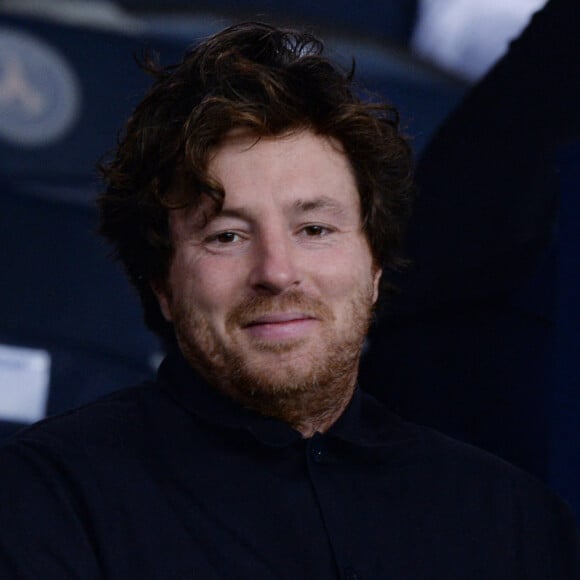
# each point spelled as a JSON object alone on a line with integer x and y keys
{"x": 160, "y": 291}
{"x": 378, "y": 272}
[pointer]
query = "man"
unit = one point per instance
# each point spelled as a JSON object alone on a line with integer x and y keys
{"x": 256, "y": 203}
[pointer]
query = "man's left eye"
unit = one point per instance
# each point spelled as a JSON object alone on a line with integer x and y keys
{"x": 225, "y": 237}
{"x": 315, "y": 230}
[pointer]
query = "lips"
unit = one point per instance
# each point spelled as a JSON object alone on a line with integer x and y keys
{"x": 282, "y": 326}
{"x": 279, "y": 318}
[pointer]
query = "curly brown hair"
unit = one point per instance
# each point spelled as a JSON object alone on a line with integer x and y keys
{"x": 268, "y": 81}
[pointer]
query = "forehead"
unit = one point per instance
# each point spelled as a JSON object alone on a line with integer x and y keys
{"x": 287, "y": 169}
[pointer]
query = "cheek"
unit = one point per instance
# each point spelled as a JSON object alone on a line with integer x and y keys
{"x": 351, "y": 269}
{"x": 208, "y": 285}
{"x": 343, "y": 281}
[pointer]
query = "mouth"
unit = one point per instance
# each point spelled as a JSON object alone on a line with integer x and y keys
{"x": 281, "y": 326}
{"x": 279, "y": 318}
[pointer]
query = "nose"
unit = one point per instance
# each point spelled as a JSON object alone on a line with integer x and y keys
{"x": 275, "y": 267}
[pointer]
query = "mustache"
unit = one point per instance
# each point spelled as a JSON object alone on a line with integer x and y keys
{"x": 295, "y": 301}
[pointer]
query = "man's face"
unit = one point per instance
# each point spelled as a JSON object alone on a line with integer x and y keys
{"x": 274, "y": 292}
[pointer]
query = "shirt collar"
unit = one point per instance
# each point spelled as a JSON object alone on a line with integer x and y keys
{"x": 365, "y": 422}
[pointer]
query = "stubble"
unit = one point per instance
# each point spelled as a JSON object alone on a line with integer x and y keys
{"x": 305, "y": 382}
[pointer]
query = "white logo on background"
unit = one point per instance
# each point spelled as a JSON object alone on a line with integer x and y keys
{"x": 39, "y": 92}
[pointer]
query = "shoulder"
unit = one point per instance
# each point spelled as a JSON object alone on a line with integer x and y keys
{"x": 444, "y": 469}
{"x": 492, "y": 490}
{"x": 468, "y": 463}
{"x": 107, "y": 422}
{"x": 436, "y": 454}
{"x": 63, "y": 462}
{"x": 55, "y": 480}
{"x": 439, "y": 457}
{"x": 436, "y": 470}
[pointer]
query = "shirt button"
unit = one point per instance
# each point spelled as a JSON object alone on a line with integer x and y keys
{"x": 350, "y": 574}
{"x": 316, "y": 454}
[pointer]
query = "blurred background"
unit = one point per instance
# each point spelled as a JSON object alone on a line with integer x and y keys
{"x": 482, "y": 340}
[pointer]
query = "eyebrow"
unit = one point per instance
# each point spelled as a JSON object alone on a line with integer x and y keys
{"x": 322, "y": 202}
{"x": 235, "y": 212}
{"x": 300, "y": 206}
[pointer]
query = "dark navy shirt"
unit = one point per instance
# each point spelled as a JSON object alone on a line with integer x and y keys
{"x": 172, "y": 480}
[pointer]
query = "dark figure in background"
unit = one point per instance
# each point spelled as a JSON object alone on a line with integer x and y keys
{"x": 490, "y": 303}
{"x": 256, "y": 203}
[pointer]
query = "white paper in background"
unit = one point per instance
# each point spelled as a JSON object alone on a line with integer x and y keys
{"x": 24, "y": 383}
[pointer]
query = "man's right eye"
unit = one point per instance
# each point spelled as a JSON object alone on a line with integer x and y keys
{"x": 225, "y": 238}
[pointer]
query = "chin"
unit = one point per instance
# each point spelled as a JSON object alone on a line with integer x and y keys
{"x": 283, "y": 368}
{"x": 283, "y": 379}
{"x": 294, "y": 348}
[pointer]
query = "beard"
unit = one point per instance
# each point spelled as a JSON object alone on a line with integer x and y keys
{"x": 306, "y": 380}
